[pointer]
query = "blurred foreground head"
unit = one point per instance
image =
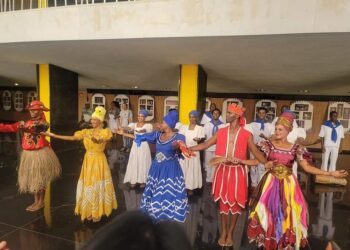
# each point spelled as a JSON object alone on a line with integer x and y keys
{"x": 135, "y": 230}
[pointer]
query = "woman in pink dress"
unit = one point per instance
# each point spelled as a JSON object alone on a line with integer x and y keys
{"x": 279, "y": 215}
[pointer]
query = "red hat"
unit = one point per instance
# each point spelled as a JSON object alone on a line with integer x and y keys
{"x": 37, "y": 105}
{"x": 234, "y": 108}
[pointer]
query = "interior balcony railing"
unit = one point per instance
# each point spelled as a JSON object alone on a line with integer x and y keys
{"x": 14, "y": 5}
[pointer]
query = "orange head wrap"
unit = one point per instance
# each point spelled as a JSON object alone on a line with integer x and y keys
{"x": 238, "y": 110}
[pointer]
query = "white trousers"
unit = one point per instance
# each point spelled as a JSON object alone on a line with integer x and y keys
{"x": 256, "y": 173}
{"x": 208, "y": 155}
{"x": 330, "y": 155}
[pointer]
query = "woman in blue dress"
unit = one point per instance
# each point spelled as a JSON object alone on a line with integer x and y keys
{"x": 165, "y": 196}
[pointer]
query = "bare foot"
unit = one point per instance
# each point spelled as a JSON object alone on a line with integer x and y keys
{"x": 37, "y": 207}
{"x": 142, "y": 185}
{"x": 190, "y": 192}
{"x": 229, "y": 241}
{"x": 30, "y": 207}
{"x": 222, "y": 240}
{"x": 132, "y": 185}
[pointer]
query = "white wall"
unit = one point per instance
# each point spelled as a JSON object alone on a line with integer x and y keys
{"x": 175, "y": 18}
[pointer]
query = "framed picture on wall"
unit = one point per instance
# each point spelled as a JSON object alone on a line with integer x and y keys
{"x": 346, "y": 113}
{"x": 303, "y": 111}
{"x": 271, "y": 107}
{"x": 343, "y": 110}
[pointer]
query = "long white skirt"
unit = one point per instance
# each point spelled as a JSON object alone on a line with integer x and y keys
{"x": 192, "y": 171}
{"x": 139, "y": 163}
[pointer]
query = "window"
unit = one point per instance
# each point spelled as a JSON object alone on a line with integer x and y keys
{"x": 19, "y": 101}
{"x": 6, "y": 100}
{"x": 98, "y": 100}
{"x": 146, "y": 102}
{"x": 122, "y": 99}
{"x": 32, "y": 96}
{"x": 171, "y": 102}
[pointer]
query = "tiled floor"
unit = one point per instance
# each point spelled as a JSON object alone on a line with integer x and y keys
{"x": 56, "y": 227}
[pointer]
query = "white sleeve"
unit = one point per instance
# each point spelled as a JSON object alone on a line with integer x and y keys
{"x": 204, "y": 119}
{"x": 301, "y": 133}
{"x": 201, "y": 133}
{"x": 130, "y": 114}
{"x": 148, "y": 128}
{"x": 132, "y": 125}
{"x": 249, "y": 128}
{"x": 341, "y": 131}
{"x": 322, "y": 131}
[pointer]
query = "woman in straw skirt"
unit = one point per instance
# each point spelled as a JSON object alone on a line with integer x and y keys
{"x": 39, "y": 165}
{"x": 95, "y": 191}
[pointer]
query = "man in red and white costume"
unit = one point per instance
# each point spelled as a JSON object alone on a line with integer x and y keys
{"x": 230, "y": 183}
{"x": 39, "y": 165}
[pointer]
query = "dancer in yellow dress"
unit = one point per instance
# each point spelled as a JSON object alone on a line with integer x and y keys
{"x": 95, "y": 192}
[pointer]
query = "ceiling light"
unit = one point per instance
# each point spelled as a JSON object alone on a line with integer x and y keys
{"x": 135, "y": 87}
{"x": 261, "y": 90}
{"x": 303, "y": 91}
{"x": 16, "y": 84}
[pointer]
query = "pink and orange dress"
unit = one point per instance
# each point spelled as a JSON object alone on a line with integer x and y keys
{"x": 279, "y": 215}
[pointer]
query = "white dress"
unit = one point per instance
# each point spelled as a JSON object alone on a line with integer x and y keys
{"x": 139, "y": 159}
{"x": 191, "y": 167}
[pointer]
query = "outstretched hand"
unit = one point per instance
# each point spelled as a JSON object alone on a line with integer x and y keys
{"x": 3, "y": 245}
{"x": 339, "y": 173}
{"x": 50, "y": 134}
{"x": 120, "y": 131}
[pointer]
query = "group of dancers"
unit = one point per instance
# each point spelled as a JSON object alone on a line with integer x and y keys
{"x": 278, "y": 211}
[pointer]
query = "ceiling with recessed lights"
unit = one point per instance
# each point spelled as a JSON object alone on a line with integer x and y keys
{"x": 317, "y": 64}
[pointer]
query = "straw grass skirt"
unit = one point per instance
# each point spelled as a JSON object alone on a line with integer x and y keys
{"x": 37, "y": 169}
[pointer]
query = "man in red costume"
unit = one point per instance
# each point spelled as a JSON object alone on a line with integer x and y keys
{"x": 230, "y": 182}
{"x": 39, "y": 165}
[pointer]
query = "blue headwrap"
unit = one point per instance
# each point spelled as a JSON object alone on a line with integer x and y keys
{"x": 330, "y": 124}
{"x": 143, "y": 112}
{"x": 171, "y": 118}
{"x": 194, "y": 113}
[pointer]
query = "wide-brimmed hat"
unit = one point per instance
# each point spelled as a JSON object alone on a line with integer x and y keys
{"x": 37, "y": 105}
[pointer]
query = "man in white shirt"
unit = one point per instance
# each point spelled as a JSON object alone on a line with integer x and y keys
{"x": 208, "y": 116}
{"x": 260, "y": 129}
{"x": 210, "y": 129}
{"x": 125, "y": 117}
{"x": 331, "y": 134}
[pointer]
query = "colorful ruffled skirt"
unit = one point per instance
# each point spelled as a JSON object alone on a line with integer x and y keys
{"x": 279, "y": 215}
{"x": 165, "y": 196}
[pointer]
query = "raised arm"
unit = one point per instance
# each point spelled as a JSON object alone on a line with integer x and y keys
{"x": 255, "y": 151}
{"x": 203, "y": 146}
{"x": 123, "y": 133}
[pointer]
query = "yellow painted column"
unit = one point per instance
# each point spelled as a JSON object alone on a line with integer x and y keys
{"x": 192, "y": 90}
{"x": 42, "y": 4}
{"x": 44, "y": 96}
{"x": 188, "y": 91}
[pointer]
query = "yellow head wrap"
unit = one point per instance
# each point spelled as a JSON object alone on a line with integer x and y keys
{"x": 99, "y": 113}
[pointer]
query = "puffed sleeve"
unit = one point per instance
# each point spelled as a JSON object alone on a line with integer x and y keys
{"x": 149, "y": 137}
{"x": 265, "y": 147}
{"x": 132, "y": 125}
{"x": 80, "y": 134}
{"x": 303, "y": 154}
{"x": 106, "y": 134}
{"x": 9, "y": 128}
{"x": 149, "y": 128}
{"x": 201, "y": 133}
